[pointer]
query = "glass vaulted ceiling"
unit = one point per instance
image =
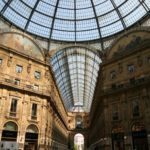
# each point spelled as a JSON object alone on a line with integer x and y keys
{"x": 76, "y": 70}
{"x": 74, "y": 20}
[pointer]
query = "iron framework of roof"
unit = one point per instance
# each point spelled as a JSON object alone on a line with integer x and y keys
{"x": 76, "y": 70}
{"x": 74, "y": 20}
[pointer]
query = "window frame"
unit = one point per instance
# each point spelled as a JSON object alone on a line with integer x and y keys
{"x": 13, "y": 107}
{"x": 34, "y": 108}
{"x": 37, "y": 75}
{"x": 131, "y": 68}
{"x": 19, "y": 68}
{"x": 148, "y": 59}
{"x": 135, "y": 113}
{"x": 113, "y": 74}
{"x": 36, "y": 87}
{"x": 17, "y": 81}
{"x": 115, "y": 112}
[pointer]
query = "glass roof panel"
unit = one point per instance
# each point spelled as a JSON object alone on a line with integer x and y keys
{"x": 147, "y": 3}
{"x": 12, "y": 16}
{"x": 119, "y": 2}
{"x": 67, "y": 14}
{"x": 38, "y": 29}
{"x": 68, "y": 4}
{"x": 64, "y": 25}
{"x": 45, "y": 8}
{"x": 84, "y": 13}
{"x": 74, "y": 20}
{"x": 75, "y": 70}
{"x": 104, "y": 7}
{"x": 23, "y": 9}
{"x": 29, "y": 2}
{"x": 46, "y": 21}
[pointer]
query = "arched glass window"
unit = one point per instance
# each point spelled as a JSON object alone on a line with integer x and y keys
{"x": 76, "y": 71}
{"x": 79, "y": 142}
{"x": 32, "y": 129}
{"x": 11, "y": 126}
{"x": 79, "y": 122}
{"x": 80, "y": 20}
{"x": 10, "y": 132}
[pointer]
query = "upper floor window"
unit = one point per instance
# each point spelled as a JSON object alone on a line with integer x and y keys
{"x": 13, "y": 107}
{"x": 1, "y": 61}
{"x": 19, "y": 68}
{"x": 135, "y": 108}
{"x": 36, "y": 87}
{"x": 115, "y": 113}
{"x": 17, "y": 82}
{"x": 37, "y": 74}
{"x": 79, "y": 121}
{"x": 113, "y": 74}
{"x": 34, "y": 111}
{"x": 131, "y": 68}
{"x": 148, "y": 59}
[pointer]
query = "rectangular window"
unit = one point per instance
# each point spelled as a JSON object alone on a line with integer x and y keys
{"x": 34, "y": 111}
{"x": 36, "y": 87}
{"x": 113, "y": 74}
{"x": 37, "y": 74}
{"x": 115, "y": 113}
{"x": 131, "y": 68}
{"x": 135, "y": 108}
{"x": 17, "y": 82}
{"x": 19, "y": 68}
{"x": 148, "y": 59}
{"x": 13, "y": 107}
{"x": 1, "y": 61}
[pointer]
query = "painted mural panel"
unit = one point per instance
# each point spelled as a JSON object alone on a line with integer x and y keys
{"x": 129, "y": 42}
{"x": 22, "y": 44}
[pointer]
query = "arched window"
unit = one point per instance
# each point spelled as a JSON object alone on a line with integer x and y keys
{"x": 32, "y": 129}
{"x": 79, "y": 142}
{"x": 10, "y": 131}
{"x": 11, "y": 126}
{"x": 31, "y": 137}
{"x": 139, "y": 136}
{"x": 79, "y": 122}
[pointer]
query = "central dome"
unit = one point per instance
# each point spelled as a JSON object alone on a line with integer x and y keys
{"x": 74, "y": 20}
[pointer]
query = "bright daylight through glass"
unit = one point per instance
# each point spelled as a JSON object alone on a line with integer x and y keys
{"x": 76, "y": 71}
{"x": 74, "y": 20}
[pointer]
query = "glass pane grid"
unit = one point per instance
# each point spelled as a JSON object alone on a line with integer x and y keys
{"x": 75, "y": 78}
{"x": 21, "y": 8}
{"x": 2, "y": 4}
{"x": 74, "y": 20}
{"x": 15, "y": 18}
{"x": 45, "y": 8}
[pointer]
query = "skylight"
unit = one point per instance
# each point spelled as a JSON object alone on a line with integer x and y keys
{"x": 76, "y": 70}
{"x": 74, "y": 20}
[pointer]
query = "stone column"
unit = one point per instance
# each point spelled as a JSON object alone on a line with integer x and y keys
{"x": 24, "y": 117}
{"x": 43, "y": 125}
{"x": 3, "y": 111}
{"x": 146, "y": 100}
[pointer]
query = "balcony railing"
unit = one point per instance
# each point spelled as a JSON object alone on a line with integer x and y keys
{"x": 133, "y": 82}
{"x": 11, "y": 81}
{"x": 33, "y": 117}
{"x": 12, "y": 115}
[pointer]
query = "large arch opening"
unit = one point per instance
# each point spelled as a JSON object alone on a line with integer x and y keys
{"x": 31, "y": 138}
{"x": 76, "y": 70}
{"x": 78, "y": 142}
{"x": 139, "y": 137}
{"x": 10, "y": 132}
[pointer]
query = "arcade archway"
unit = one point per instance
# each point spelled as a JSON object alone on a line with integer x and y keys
{"x": 78, "y": 142}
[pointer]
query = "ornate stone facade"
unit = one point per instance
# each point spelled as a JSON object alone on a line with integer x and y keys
{"x": 121, "y": 108}
{"x": 29, "y": 98}
{"x": 32, "y": 113}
